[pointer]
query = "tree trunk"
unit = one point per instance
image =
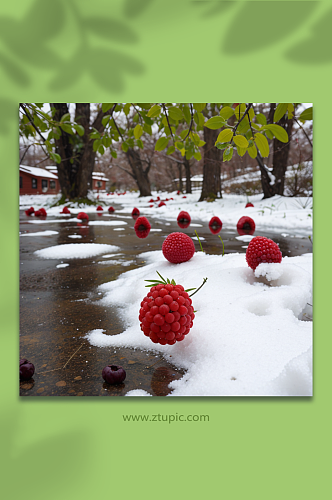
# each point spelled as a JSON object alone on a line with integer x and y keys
{"x": 280, "y": 159}
{"x": 180, "y": 177}
{"x": 138, "y": 173}
{"x": 77, "y": 155}
{"x": 211, "y": 188}
{"x": 280, "y": 156}
{"x": 188, "y": 179}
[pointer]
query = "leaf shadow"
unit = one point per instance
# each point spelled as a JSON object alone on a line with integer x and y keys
{"x": 26, "y": 44}
{"x": 134, "y": 8}
{"x": 316, "y": 49}
{"x": 261, "y": 24}
{"x": 214, "y": 7}
{"x": 8, "y": 111}
{"x": 54, "y": 457}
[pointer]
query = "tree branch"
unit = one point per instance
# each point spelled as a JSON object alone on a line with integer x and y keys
{"x": 299, "y": 124}
{"x": 125, "y": 170}
{"x": 191, "y": 121}
{"x": 165, "y": 111}
{"x": 31, "y": 121}
{"x": 244, "y": 114}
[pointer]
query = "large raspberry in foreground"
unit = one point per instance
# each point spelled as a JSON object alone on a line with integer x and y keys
{"x": 178, "y": 247}
{"x": 262, "y": 249}
{"x": 166, "y": 314}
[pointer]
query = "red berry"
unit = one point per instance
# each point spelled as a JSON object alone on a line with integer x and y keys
{"x": 41, "y": 213}
{"x": 83, "y": 216}
{"x": 245, "y": 225}
{"x": 99, "y": 208}
{"x": 161, "y": 204}
{"x": 249, "y": 205}
{"x": 111, "y": 210}
{"x": 169, "y": 322}
{"x": 142, "y": 227}
{"x": 65, "y": 210}
{"x": 183, "y": 219}
{"x": 262, "y": 249}
{"x": 30, "y": 211}
{"x": 178, "y": 247}
{"x": 215, "y": 225}
{"x": 135, "y": 213}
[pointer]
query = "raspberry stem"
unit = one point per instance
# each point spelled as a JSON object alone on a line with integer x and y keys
{"x": 199, "y": 241}
{"x": 223, "y": 246}
{"x": 204, "y": 281}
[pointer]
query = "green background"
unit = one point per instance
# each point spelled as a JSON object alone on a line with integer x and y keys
{"x": 174, "y": 51}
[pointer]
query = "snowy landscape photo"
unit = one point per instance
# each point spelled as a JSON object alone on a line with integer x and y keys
{"x": 186, "y": 269}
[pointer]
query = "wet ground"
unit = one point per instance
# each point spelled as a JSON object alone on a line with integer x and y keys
{"x": 58, "y": 306}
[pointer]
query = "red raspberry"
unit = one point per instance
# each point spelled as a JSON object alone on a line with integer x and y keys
{"x": 178, "y": 247}
{"x": 83, "y": 216}
{"x": 111, "y": 209}
{"x": 41, "y": 213}
{"x": 161, "y": 204}
{"x": 30, "y": 211}
{"x": 163, "y": 319}
{"x": 65, "y": 210}
{"x": 99, "y": 208}
{"x": 215, "y": 225}
{"x": 262, "y": 249}
{"x": 245, "y": 225}
{"x": 183, "y": 219}
{"x": 142, "y": 227}
{"x": 249, "y": 205}
{"x": 135, "y": 212}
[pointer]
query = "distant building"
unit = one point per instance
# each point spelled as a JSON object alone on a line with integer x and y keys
{"x": 99, "y": 182}
{"x": 34, "y": 180}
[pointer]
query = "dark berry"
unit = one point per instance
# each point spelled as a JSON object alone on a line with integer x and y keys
{"x": 27, "y": 369}
{"x": 113, "y": 374}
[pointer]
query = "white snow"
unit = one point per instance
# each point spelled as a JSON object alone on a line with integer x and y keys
{"x": 246, "y": 340}
{"x": 138, "y": 392}
{"x": 106, "y": 222}
{"x": 75, "y": 236}
{"x": 249, "y": 337}
{"x": 280, "y": 214}
{"x": 40, "y": 233}
{"x": 62, "y": 265}
{"x": 75, "y": 251}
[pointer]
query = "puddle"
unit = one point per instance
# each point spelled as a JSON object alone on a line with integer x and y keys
{"x": 59, "y": 304}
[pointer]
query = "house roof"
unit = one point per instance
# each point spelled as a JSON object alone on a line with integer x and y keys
{"x": 37, "y": 172}
{"x": 52, "y": 173}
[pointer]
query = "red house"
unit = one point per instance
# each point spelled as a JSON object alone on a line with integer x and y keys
{"x": 99, "y": 182}
{"x": 34, "y": 180}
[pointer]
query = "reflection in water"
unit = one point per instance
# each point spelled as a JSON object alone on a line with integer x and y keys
{"x": 160, "y": 380}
